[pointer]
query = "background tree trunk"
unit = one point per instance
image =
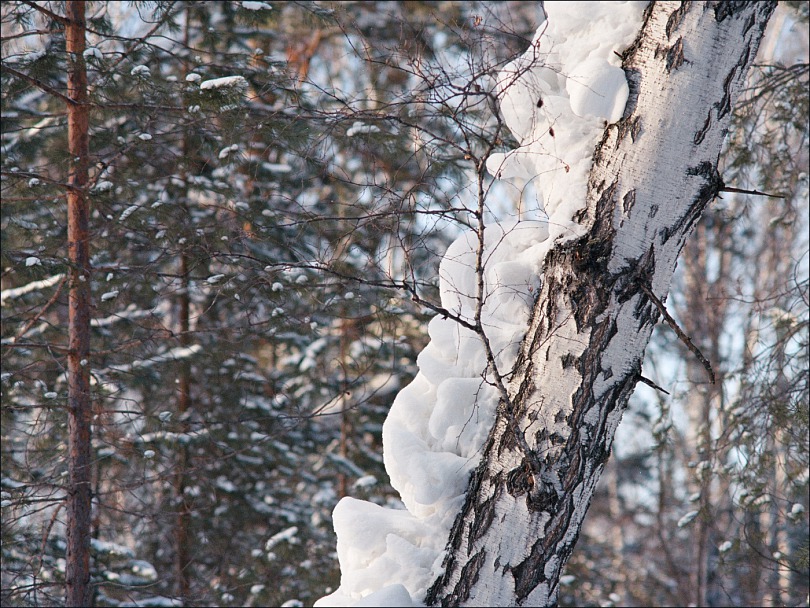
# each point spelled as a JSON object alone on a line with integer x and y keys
{"x": 654, "y": 173}
{"x": 79, "y": 402}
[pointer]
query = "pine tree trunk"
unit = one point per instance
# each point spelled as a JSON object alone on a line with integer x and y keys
{"x": 653, "y": 175}
{"x": 182, "y": 556}
{"x": 79, "y": 402}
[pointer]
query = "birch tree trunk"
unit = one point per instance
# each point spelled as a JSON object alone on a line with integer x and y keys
{"x": 77, "y": 575}
{"x": 653, "y": 174}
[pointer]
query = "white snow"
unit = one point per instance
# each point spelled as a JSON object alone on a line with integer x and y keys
{"x": 173, "y": 354}
{"x": 127, "y": 212}
{"x": 110, "y": 295}
{"x": 140, "y": 70}
{"x": 93, "y": 52}
{"x": 435, "y": 431}
{"x": 286, "y": 535}
{"x": 556, "y": 97}
{"x": 358, "y": 128}
{"x": 365, "y": 481}
{"x": 16, "y": 292}
{"x": 103, "y": 186}
{"x": 32, "y": 261}
{"x": 277, "y": 167}
{"x": 225, "y": 152}
{"x": 256, "y": 6}
{"x": 687, "y": 519}
{"x": 234, "y": 82}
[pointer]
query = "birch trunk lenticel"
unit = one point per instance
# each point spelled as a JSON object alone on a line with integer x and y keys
{"x": 653, "y": 174}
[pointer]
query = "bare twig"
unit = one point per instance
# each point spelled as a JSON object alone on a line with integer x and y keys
{"x": 678, "y": 331}
{"x": 46, "y": 12}
{"x": 652, "y": 384}
{"x": 755, "y": 192}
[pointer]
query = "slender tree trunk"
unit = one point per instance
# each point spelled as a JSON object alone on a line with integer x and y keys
{"x": 182, "y": 557}
{"x": 653, "y": 174}
{"x": 345, "y": 423}
{"x": 79, "y": 402}
{"x": 181, "y": 534}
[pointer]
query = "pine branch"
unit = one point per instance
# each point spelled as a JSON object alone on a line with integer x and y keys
{"x": 46, "y": 12}
{"x": 40, "y": 85}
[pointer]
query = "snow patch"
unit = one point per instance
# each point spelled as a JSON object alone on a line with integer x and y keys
{"x": 256, "y": 6}
{"x": 228, "y": 82}
{"x": 556, "y": 98}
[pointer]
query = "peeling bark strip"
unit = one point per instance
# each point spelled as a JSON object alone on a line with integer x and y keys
{"x": 653, "y": 175}
{"x": 77, "y": 574}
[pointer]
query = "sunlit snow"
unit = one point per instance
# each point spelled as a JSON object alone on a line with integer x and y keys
{"x": 235, "y": 82}
{"x": 556, "y": 99}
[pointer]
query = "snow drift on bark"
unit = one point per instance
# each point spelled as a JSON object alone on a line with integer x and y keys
{"x": 555, "y": 99}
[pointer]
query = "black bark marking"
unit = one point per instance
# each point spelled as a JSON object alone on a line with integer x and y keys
{"x": 712, "y": 185}
{"x": 529, "y": 573}
{"x": 628, "y": 201}
{"x": 701, "y": 133}
{"x": 626, "y": 126}
{"x": 577, "y": 463}
{"x": 675, "y": 56}
{"x": 469, "y": 576}
{"x": 653, "y": 211}
{"x": 749, "y": 24}
{"x": 484, "y": 515}
{"x": 567, "y": 360}
{"x": 636, "y": 129}
{"x": 676, "y": 18}
{"x": 519, "y": 480}
{"x": 641, "y": 269}
{"x": 723, "y": 10}
{"x": 724, "y": 107}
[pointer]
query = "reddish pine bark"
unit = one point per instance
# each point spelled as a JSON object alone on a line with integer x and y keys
{"x": 79, "y": 403}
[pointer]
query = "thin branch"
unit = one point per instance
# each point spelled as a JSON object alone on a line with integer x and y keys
{"x": 678, "y": 331}
{"x": 755, "y": 192}
{"x": 168, "y": 15}
{"x": 40, "y": 85}
{"x": 46, "y": 12}
{"x": 42, "y": 310}
{"x": 652, "y": 384}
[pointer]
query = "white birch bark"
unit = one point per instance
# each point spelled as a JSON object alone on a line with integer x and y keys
{"x": 653, "y": 174}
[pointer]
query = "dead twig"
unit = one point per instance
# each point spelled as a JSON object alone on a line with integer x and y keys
{"x": 678, "y": 331}
{"x": 652, "y": 384}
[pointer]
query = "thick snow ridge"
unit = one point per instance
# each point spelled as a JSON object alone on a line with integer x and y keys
{"x": 556, "y": 99}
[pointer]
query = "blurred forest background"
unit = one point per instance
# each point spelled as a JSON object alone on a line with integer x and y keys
{"x": 264, "y": 254}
